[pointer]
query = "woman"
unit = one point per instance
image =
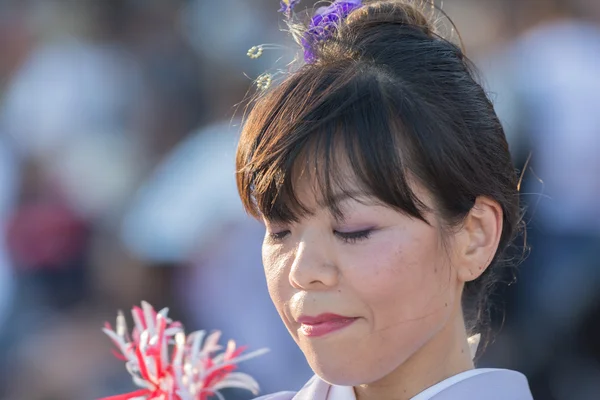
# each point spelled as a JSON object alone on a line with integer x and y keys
{"x": 385, "y": 182}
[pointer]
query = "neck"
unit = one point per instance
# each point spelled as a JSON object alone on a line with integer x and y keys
{"x": 445, "y": 355}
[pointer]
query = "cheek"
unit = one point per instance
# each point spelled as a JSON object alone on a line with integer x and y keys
{"x": 402, "y": 282}
{"x": 403, "y": 275}
{"x": 276, "y": 262}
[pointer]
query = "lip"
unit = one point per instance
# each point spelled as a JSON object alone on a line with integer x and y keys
{"x": 323, "y": 324}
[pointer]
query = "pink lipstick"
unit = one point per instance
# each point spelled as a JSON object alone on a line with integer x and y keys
{"x": 323, "y": 324}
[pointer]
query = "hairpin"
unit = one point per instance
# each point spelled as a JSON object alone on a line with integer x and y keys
{"x": 264, "y": 81}
{"x": 255, "y": 52}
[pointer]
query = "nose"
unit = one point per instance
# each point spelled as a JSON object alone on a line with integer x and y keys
{"x": 314, "y": 266}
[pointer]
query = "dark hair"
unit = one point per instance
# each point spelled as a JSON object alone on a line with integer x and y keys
{"x": 394, "y": 100}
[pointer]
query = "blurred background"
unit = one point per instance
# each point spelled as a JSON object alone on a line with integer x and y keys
{"x": 118, "y": 126}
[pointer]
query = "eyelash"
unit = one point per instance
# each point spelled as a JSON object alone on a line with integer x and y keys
{"x": 346, "y": 237}
{"x": 278, "y": 236}
{"x": 353, "y": 237}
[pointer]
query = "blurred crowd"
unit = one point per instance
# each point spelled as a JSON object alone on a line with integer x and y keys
{"x": 118, "y": 127}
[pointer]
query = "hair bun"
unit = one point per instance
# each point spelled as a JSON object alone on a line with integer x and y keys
{"x": 412, "y": 14}
{"x": 381, "y": 28}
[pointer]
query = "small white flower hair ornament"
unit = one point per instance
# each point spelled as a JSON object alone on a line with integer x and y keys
{"x": 168, "y": 365}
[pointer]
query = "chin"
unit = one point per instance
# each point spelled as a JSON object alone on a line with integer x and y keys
{"x": 347, "y": 376}
{"x": 343, "y": 371}
{"x": 355, "y": 364}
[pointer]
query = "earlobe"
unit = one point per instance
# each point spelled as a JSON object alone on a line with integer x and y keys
{"x": 479, "y": 238}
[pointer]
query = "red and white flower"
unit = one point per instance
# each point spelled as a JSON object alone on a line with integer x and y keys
{"x": 167, "y": 365}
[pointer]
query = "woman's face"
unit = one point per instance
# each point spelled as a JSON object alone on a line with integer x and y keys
{"x": 361, "y": 294}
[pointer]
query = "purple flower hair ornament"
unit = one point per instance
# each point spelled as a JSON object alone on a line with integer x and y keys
{"x": 324, "y": 23}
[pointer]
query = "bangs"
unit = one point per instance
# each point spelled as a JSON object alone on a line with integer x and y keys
{"x": 336, "y": 128}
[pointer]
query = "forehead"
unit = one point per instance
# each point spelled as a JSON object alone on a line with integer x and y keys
{"x": 316, "y": 174}
{"x": 317, "y": 191}
{"x": 313, "y": 188}
{"x": 341, "y": 165}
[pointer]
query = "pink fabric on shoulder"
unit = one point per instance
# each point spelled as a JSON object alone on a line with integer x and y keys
{"x": 314, "y": 389}
{"x": 277, "y": 396}
{"x": 491, "y": 384}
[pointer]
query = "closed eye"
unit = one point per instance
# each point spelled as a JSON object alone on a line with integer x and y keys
{"x": 353, "y": 237}
{"x": 278, "y": 236}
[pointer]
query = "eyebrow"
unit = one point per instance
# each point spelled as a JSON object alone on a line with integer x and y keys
{"x": 338, "y": 198}
{"x": 341, "y": 197}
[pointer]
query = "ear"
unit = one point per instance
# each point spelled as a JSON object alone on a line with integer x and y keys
{"x": 478, "y": 239}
